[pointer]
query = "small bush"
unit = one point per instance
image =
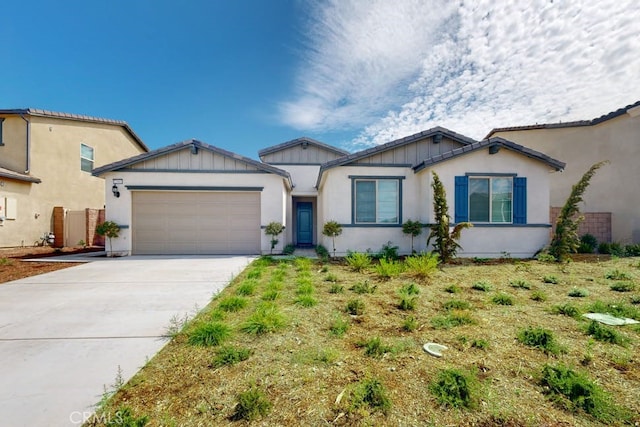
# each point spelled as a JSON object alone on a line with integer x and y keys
{"x": 502, "y": 299}
{"x": 355, "y": 307}
{"x": 306, "y": 301}
{"x": 302, "y": 264}
{"x": 209, "y": 334}
{"x": 576, "y": 392}
{"x": 374, "y": 347}
{"x": 336, "y": 289}
{"x": 481, "y": 344}
{"x": 617, "y": 275}
{"x": 606, "y": 334}
{"x": 232, "y": 303}
{"x": 567, "y": 310}
{"x": 323, "y": 253}
{"x": 541, "y": 339}
{"x": 271, "y": 295}
{"x": 520, "y": 284}
{"x": 481, "y": 286}
{"x": 588, "y": 244}
{"x": 452, "y": 320}
{"x": 539, "y": 296}
{"x": 288, "y": 249}
{"x": 247, "y": 287}
{"x": 267, "y": 318}
{"x": 578, "y": 293}
{"x": 229, "y": 355}
{"x": 358, "y": 261}
{"x": 331, "y": 277}
{"x": 339, "y": 326}
{"x": 371, "y": 393}
{"x": 255, "y": 273}
{"x": 363, "y": 288}
{"x": 623, "y": 287}
{"x": 545, "y": 257}
{"x": 407, "y": 302}
{"x": 423, "y": 265}
{"x": 455, "y": 388}
{"x": 251, "y": 405}
{"x": 123, "y": 417}
{"x": 453, "y": 289}
{"x": 388, "y": 252}
{"x": 635, "y": 299}
{"x": 550, "y": 279}
{"x": 386, "y": 269}
{"x": 410, "y": 289}
{"x": 305, "y": 289}
{"x": 618, "y": 309}
{"x": 632, "y": 250}
{"x": 455, "y": 304}
{"x": 614, "y": 249}
{"x": 410, "y": 324}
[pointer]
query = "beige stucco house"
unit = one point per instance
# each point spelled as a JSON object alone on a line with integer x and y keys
{"x": 46, "y": 159}
{"x": 611, "y": 201}
{"x": 193, "y": 198}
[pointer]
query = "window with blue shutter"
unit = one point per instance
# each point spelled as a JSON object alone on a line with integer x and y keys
{"x": 519, "y": 200}
{"x": 461, "y": 199}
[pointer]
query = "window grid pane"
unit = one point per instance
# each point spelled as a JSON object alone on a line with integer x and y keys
{"x": 388, "y": 201}
{"x": 377, "y": 201}
{"x": 501, "y": 199}
{"x": 86, "y": 158}
{"x": 366, "y": 201}
{"x": 479, "y": 200}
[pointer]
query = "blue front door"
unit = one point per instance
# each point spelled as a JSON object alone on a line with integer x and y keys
{"x": 304, "y": 222}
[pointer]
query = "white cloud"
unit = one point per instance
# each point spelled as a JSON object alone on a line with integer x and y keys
{"x": 399, "y": 67}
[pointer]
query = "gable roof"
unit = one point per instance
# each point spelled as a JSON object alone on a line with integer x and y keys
{"x": 36, "y": 112}
{"x": 492, "y": 142}
{"x": 299, "y": 141}
{"x": 8, "y": 173}
{"x": 578, "y": 123}
{"x": 193, "y": 143}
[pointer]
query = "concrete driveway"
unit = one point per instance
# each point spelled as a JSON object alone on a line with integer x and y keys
{"x": 64, "y": 335}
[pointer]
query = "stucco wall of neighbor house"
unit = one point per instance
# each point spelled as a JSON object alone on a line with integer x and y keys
{"x": 273, "y": 197}
{"x": 613, "y": 187}
{"x": 55, "y": 159}
{"x": 13, "y": 152}
{"x": 303, "y": 177}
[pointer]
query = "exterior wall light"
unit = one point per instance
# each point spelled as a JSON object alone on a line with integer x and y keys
{"x": 115, "y": 190}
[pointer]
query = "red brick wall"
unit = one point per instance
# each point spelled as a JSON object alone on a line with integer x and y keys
{"x": 596, "y": 223}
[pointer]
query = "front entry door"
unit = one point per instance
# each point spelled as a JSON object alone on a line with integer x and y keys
{"x": 305, "y": 223}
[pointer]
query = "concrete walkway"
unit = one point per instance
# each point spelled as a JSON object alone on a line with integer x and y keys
{"x": 65, "y": 335}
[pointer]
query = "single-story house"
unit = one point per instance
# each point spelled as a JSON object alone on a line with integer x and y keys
{"x": 194, "y": 198}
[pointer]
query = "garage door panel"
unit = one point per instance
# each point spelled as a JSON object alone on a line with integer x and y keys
{"x": 196, "y": 223}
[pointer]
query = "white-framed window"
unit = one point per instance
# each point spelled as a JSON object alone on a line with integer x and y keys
{"x": 86, "y": 158}
{"x": 376, "y": 201}
{"x": 491, "y": 199}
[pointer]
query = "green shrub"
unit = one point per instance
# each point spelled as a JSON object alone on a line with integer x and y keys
{"x": 322, "y": 252}
{"x": 355, "y": 307}
{"x": 614, "y": 249}
{"x": 606, "y": 334}
{"x": 453, "y": 289}
{"x": 410, "y": 324}
{"x": 209, "y": 334}
{"x": 617, "y": 275}
{"x": 632, "y": 250}
{"x": 289, "y": 249}
{"x": 455, "y": 388}
{"x": 576, "y": 392}
{"x": 520, "y": 284}
{"x": 332, "y": 229}
{"x": 255, "y": 273}
{"x": 372, "y": 393}
{"x": 336, "y": 289}
{"x": 358, "y": 261}
{"x": 271, "y": 295}
{"x": 232, "y": 303}
{"x": 455, "y": 304}
{"x": 588, "y": 244}
{"x": 306, "y": 301}
{"x": 407, "y": 301}
{"x": 251, "y": 405}
{"x": 578, "y": 293}
{"x": 305, "y": 289}
{"x": 228, "y": 355}
{"x": 452, "y": 320}
{"x": 302, "y": 264}
{"x": 387, "y": 269}
{"x": 410, "y": 289}
{"x": 502, "y": 299}
{"x": 247, "y": 287}
{"x": 545, "y": 257}
{"x": 623, "y": 287}
{"x": 481, "y": 344}
{"x": 617, "y": 308}
{"x": 550, "y": 279}
{"x": 267, "y": 318}
{"x": 423, "y": 265}
{"x": 567, "y": 310}
{"x": 339, "y": 326}
{"x": 363, "y": 288}
{"x": 635, "y": 299}
{"x": 481, "y": 286}
{"x": 541, "y": 339}
{"x": 374, "y": 347}
{"x": 413, "y": 229}
{"x": 538, "y": 296}
{"x": 388, "y": 252}
{"x": 331, "y": 277}
{"x": 123, "y": 417}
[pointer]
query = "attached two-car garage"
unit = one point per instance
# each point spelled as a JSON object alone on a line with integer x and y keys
{"x": 195, "y": 222}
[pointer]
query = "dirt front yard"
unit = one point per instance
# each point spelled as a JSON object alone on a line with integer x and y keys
{"x": 13, "y": 264}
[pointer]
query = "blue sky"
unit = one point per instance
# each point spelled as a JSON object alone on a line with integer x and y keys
{"x": 247, "y": 74}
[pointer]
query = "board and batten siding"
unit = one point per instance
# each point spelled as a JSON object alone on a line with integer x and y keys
{"x": 410, "y": 154}
{"x": 300, "y": 155}
{"x": 185, "y": 160}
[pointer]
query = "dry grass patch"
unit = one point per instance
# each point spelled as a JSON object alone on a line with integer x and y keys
{"x": 322, "y": 365}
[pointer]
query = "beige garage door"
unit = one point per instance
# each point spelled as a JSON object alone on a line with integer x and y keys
{"x": 217, "y": 223}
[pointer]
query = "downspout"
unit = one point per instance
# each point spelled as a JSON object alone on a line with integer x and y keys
{"x": 28, "y": 166}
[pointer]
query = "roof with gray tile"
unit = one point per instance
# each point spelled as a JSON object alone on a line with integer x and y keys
{"x": 592, "y": 122}
{"x": 298, "y": 141}
{"x": 37, "y": 112}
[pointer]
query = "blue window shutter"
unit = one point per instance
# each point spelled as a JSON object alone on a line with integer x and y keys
{"x": 462, "y": 199}
{"x": 519, "y": 200}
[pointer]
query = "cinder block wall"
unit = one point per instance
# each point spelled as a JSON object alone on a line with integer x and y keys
{"x": 596, "y": 223}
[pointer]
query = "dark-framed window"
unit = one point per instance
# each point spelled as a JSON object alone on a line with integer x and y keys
{"x": 491, "y": 199}
{"x": 86, "y": 158}
{"x": 376, "y": 200}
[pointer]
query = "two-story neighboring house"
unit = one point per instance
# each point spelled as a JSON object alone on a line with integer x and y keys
{"x": 46, "y": 159}
{"x": 611, "y": 201}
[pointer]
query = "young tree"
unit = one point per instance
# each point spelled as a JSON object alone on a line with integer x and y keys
{"x": 332, "y": 229}
{"x": 445, "y": 238}
{"x": 273, "y": 229}
{"x": 412, "y": 228}
{"x": 565, "y": 239}
{"x": 110, "y": 230}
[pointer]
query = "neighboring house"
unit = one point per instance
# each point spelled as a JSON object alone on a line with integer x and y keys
{"x": 46, "y": 159}
{"x": 611, "y": 201}
{"x": 193, "y": 198}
